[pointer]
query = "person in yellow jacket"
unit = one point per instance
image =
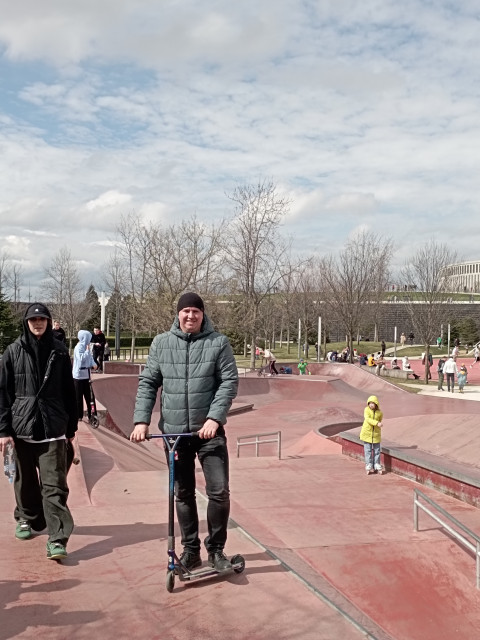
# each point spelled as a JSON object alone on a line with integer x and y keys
{"x": 371, "y": 435}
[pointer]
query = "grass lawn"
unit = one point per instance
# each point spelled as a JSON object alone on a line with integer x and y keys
{"x": 283, "y": 355}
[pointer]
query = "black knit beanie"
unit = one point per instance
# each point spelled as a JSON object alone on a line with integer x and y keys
{"x": 190, "y": 299}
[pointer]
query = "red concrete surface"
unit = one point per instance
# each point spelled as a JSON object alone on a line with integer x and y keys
{"x": 325, "y": 545}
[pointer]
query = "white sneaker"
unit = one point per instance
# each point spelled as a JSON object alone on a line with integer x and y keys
{"x": 368, "y": 469}
{"x": 379, "y": 469}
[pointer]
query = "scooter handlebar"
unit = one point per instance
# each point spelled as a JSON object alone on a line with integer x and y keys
{"x": 187, "y": 434}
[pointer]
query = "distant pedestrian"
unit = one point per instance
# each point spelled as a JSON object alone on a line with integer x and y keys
{"x": 439, "y": 342}
{"x": 380, "y": 364}
{"x": 271, "y": 359}
{"x": 462, "y": 378}
{"x": 302, "y": 367}
{"x": 455, "y": 352}
{"x": 383, "y": 346}
{"x": 82, "y": 364}
{"x": 441, "y": 375}
{"x": 403, "y": 339}
{"x": 411, "y": 337}
{"x": 98, "y": 344}
{"x": 58, "y": 333}
{"x": 476, "y": 356}
{"x": 450, "y": 369}
{"x": 371, "y": 435}
{"x": 407, "y": 367}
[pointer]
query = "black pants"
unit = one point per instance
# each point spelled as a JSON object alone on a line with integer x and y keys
{"x": 41, "y": 489}
{"x": 450, "y": 381}
{"x": 213, "y": 457}
{"x": 98, "y": 358}
{"x": 273, "y": 368}
{"x": 82, "y": 390}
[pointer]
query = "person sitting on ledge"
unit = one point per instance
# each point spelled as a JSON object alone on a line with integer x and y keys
{"x": 406, "y": 367}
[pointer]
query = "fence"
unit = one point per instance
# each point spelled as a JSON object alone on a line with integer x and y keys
{"x": 257, "y": 442}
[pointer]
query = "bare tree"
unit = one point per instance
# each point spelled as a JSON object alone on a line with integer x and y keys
{"x": 427, "y": 274}
{"x": 5, "y": 269}
{"x": 134, "y": 250}
{"x": 185, "y": 256}
{"x": 255, "y": 249}
{"x": 355, "y": 280}
{"x": 14, "y": 282}
{"x": 65, "y": 292}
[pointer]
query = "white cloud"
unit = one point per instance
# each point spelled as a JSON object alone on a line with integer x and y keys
{"x": 108, "y": 199}
{"x": 363, "y": 113}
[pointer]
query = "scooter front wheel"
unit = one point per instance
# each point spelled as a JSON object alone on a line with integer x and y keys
{"x": 239, "y": 561}
{"x": 94, "y": 422}
{"x": 170, "y": 583}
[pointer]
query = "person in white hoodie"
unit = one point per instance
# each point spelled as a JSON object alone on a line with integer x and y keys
{"x": 82, "y": 363}
{"x": 449, "y": 370}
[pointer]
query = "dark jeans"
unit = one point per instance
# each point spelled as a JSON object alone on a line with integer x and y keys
{"x": 273, "y": 368}
{"x": 213, "y": 457}
{"x": 82, "y": 390}
{"x": 41, "y": 489}
{"x": 98, "y": 358}
{"x": 450, "y": 381}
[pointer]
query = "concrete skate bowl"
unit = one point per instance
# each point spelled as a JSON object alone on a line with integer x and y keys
{"x": 329, "y": 383}
{"x": 117, "y": 395}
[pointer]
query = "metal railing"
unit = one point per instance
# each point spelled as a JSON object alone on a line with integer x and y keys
{"x": 257, "y": 442}
{"x": 475, "y": 548}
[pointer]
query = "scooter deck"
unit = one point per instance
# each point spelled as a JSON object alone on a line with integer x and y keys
{"x": 206, "y": 572}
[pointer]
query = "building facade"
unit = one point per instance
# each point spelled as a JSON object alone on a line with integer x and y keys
{"x": 465, "y": 277}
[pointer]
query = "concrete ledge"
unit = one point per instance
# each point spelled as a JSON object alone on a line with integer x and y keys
{"x": 397, "y": 373}
{"x": 449, "y": 477}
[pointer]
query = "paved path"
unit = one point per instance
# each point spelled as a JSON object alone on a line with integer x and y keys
{"x": 331, "y": 553}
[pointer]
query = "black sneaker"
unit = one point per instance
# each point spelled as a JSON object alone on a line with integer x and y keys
{"x": 190, "y": 559}
{"x": 219, "y": 561}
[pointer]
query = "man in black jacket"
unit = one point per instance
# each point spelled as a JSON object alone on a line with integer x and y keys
{"x": 37, "y": 416}
{"x": 98, "y": 347}
{"x": 58, "y": 332}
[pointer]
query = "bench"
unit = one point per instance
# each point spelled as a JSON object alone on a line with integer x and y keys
{"x": 397, "y": 373}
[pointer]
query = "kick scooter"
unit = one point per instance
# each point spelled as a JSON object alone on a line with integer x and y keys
{"x": 93, "y": 419}
{"x": 175, "y": 567}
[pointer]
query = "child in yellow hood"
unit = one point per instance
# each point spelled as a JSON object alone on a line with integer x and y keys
{"x": 371, "y": 435}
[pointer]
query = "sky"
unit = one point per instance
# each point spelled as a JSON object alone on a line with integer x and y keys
{"x": 365, "y": 114}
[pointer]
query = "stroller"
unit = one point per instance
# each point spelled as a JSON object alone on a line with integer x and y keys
{"x": 265, "y": 371}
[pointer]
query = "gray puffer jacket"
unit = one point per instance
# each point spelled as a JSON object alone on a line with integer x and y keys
{"x": 198, "y": 376}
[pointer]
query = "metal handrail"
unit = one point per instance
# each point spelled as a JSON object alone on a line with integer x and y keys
{"x": 458, "y": 536}
{"x": 258, "y": 442}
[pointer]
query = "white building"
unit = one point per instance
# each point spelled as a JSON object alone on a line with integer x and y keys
{"x": 465, "y": 277}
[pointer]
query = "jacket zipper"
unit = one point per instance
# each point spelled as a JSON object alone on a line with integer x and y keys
{"x": 187, "y": 365}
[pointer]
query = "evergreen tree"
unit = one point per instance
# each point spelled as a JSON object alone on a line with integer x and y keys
{"x": 9, "y": 328}
{"x": 93, "y": 309}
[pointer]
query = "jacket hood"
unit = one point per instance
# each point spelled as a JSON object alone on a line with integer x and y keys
{"x": 373, "y": 399}
{"x": 84, "y": 337}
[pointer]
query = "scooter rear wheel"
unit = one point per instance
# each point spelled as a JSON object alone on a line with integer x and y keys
{"x": 170, "y": 583}
{"x": 240, "y": 561}
{"x": 94, "y": 422}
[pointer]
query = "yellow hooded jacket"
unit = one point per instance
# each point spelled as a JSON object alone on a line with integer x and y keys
{"x": 370, "y": 432}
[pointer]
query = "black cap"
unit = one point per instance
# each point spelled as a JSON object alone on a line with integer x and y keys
{"x": 37, "y": 310}
{"x": 190, "y": 300}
